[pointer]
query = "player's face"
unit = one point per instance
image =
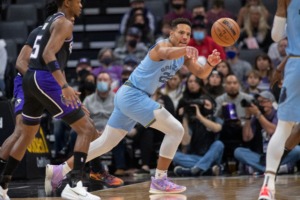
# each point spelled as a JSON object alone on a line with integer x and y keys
{"x": 76, "y": 7}
{"x": 181, "y": 35}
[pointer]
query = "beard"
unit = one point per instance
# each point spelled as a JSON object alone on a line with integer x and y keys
{"x": 233, "y": 94}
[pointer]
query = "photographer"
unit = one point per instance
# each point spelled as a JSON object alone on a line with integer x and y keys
{"x": 261, "y": 120}
{"x": 203, "y": 150}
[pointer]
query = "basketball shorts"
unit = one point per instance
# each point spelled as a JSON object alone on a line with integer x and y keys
{"x": 132, "y": 105}
{"x": 18, "y": 94}
{"x": 41, "y": 91}
{"x": 289, "y": 109}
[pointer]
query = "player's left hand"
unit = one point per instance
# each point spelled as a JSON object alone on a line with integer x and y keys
{"x": 214, "y": 58}
{"x": 198, "y": 113}
{"x": 70, "y": 97}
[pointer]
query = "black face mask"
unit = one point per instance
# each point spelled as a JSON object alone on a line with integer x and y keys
{"x": 106, "y": 61}
{"x": 177, "y": 6}
{"x": 89, "y": 86}
{"x": 206, "y": 112}
{"x": 132, "y": 43}
{"x": 140, "y": 26}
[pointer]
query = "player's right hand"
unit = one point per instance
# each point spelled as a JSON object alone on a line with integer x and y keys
{"x": 192, "y": 53}
{"x": 70, "y": 97}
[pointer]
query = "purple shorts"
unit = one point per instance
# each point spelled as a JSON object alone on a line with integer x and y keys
{"x": 18, "y": 94}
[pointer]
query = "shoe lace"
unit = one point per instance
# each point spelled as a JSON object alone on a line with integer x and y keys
{"x": 169, "y": 183}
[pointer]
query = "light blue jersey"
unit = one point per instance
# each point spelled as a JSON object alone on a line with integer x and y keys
{"x": 293, "y": 28}
{"x": 132, "y": 101}
{"x": 149, "y": 74}
{"x": 289, "y": 109}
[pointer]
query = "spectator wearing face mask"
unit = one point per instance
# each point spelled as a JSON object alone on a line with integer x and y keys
{"x": 178, "y": 10}
{"x": 134, "y": 6}
{"x": 132, "y": 46}
{"x": 201, "y": 41}
{"x": 109, "y": 65}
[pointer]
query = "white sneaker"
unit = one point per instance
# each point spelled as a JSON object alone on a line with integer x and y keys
{"x": 3, "y": 194}
{"x": 78, "y": 193}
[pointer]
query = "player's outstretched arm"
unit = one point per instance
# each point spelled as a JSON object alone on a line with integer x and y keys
{"x": 203, "y": 71}
{"x": 164, "y": 51}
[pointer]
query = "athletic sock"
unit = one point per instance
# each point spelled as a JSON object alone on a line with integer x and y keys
{"x": 77, "y": 172}
{"x": 159, "y": 174}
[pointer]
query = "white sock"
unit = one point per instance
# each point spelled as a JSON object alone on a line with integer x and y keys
{"x": 270, "y": 181}
{"x": 66, "y": 168}
{"x": 159, "y": 174}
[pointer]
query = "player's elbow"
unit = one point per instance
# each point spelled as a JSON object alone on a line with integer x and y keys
{"x": 277, "y": 36}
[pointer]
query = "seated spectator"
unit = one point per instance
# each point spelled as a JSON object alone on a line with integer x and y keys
{"x": 178, "y": 10}
{"x": 224, "y": 68}
{"x": 214, "y": 86}
{"x": 253, "y": 80}
{"x": 173, "y": 89}
{"x": 256, "y": 33}
{"x": 230, "y": 110}
{"x": 203, "y": 149}
{"x": 245, "y": 10}
{"x": 108, "y": 64}
{"x": 132, "y": 46}
{"x": 199, "y": 10}
{"x": 239, "y": 67}
{"x": 83, "y": 68}
{"x": 3, "y": 63}
{"x": 277, "y": 51}
{"x": 216, "y": 12}
{"x": 140, "y": 21}
{"x": 261, "y": 121}
{"x": 201, "y": 41}
{"x": 264, "y": 66}
{"x": 137, "y": 5}
{"x": 87, "y": 86}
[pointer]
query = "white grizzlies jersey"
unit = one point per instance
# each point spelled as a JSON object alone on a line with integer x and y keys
{"x": 293, "y": 28}
{"x": 149, "y": 74}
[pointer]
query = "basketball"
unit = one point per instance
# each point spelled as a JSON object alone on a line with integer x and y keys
{"x": 225, "y": 32}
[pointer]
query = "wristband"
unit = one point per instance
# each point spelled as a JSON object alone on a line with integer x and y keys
{"x": 209, "y": 64}
{"x": 53, "y": 66}
{"x": 258, "y": 115}
{"x": 65, "y": 86}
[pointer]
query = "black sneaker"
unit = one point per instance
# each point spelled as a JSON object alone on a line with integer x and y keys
{"x": 141, "y": 173}
{"x": 186, "y": 172}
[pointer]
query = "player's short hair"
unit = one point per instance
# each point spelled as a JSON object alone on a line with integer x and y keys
{"x": 177, "y": 21}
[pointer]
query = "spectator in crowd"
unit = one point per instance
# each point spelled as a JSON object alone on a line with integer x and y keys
{"x": 261, "y": 120}
{"x": 199, "y": 10}
{"x": 201, "y": 41}
{"x": 214, "y": 86}
{"x": 253, "y": 80}
{"x": 239, "y": 67}
{"x": 224, "y": 68}
{"x": 132, "y": 46}
{"x": 216, "y": 12}
{"x": 108, "y": 64}
{"x": 174, "y": 89}
{"x": 178, "y": 11}
{"x": 200, "y": 135}
{"x": 165, "y": 31}
{"x": 135, "y": 5}
{"x": 3, "y": 63}
{"x": 140, "y": 21}
{"x": 256, "y": 33}
{"x": 277, "y": 51}
{"x": 87, "y": 86}
{"x": 245, "y": 10}
{"x": 83, "y": 67}
{"x": 230, "y": 109}
{"x": 264, "y": 66}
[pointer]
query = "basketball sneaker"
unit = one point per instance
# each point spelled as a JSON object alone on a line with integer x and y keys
{"x": 3, "y": 194}
{"x": 266, "y": 194}
{"x": 78, "y": 192}
{"x": 164, "y": 185}
{"x": 106, "y": 179}
{"x": 54, "y": 178}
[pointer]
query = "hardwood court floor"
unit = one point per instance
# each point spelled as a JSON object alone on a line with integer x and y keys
{"x": 203, "y": 188}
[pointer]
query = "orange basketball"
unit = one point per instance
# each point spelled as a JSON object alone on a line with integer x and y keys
{"x": 225, "y": 32}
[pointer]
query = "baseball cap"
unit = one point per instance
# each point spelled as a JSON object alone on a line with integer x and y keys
{"x": 131, "y": 60}
{"x": 84, "y": 61}
{"x": 134, "y": 31}
{"x": 267, "y": 95}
